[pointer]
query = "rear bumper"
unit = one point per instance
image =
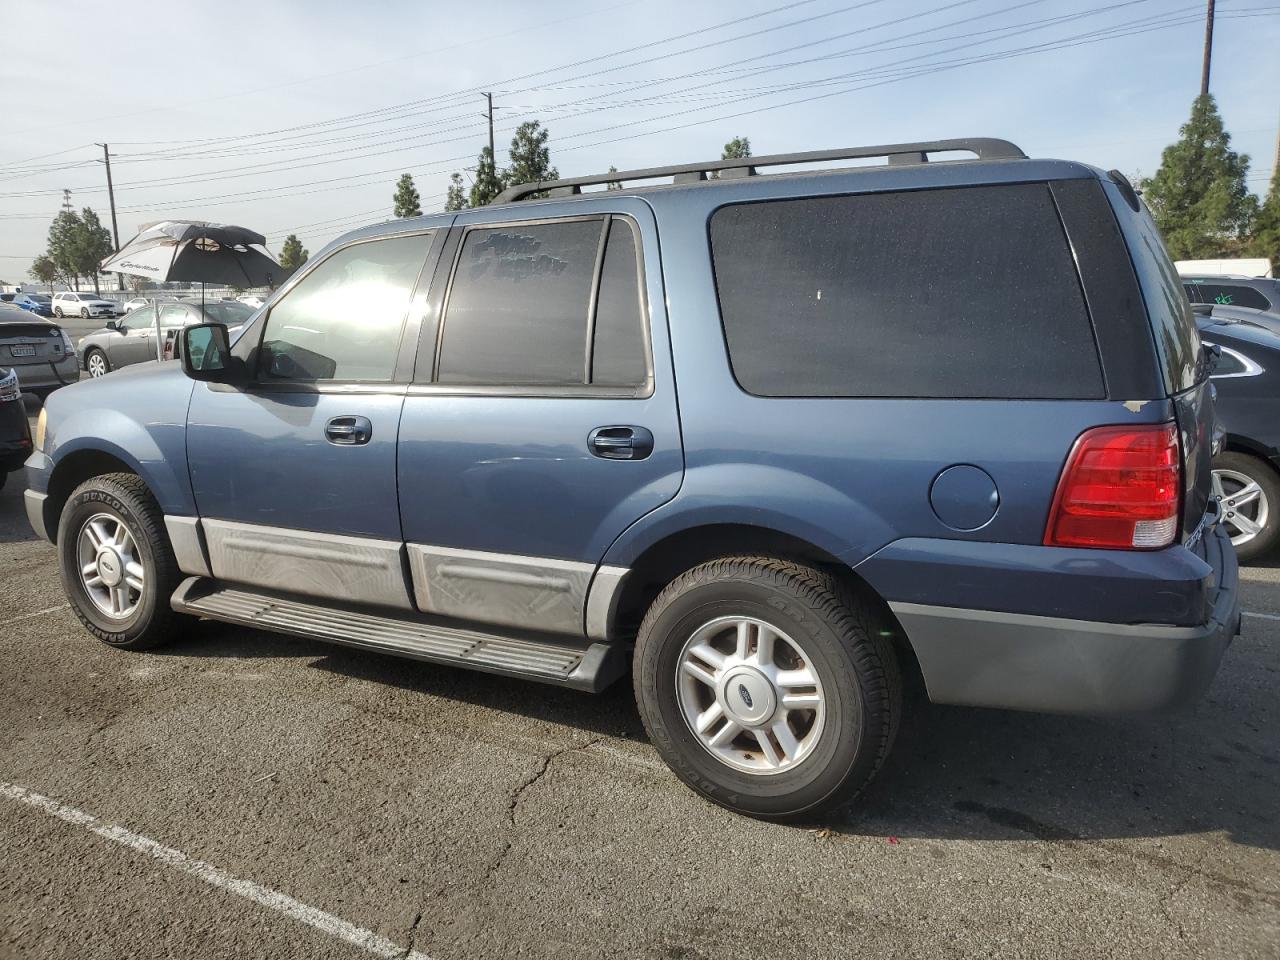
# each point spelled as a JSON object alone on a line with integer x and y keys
{"x": 48, "y": 374}
{"x": 1057, "y": 665}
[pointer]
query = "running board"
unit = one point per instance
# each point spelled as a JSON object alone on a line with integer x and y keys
{"x": 591, "y": 668}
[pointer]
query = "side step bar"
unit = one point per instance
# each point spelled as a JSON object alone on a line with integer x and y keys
{"x": 592, "y": 667}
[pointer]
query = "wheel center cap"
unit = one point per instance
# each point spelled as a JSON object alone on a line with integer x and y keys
{"x": 748, "y": 696}
{"x": 110, "y": 568}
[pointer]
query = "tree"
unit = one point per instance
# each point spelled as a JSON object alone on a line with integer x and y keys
{"x": 292, "y": 254}
{"x": 1199, "y": 197}
{"x": 93, "y": 245}
{"x": 457, "y": 196}
{"x": 739, "y": 148}
{"x": 530, "y": 156}
{"x": 407, "y": 201}
{"x": 63, "y": 239}
{"x": 613, "y": 184}
{"x": 1266, "y": 226}
{"x": 44, "y": 271}
{"x": 489, "y": 180}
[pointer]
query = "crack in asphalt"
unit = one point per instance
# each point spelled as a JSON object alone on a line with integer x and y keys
{"x": 413, "y": 936}
{"x": 517, "y": 796}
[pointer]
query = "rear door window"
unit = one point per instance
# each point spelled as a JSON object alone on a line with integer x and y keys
{"x": 550, "y": 304}
{"x": 968, "y": 292}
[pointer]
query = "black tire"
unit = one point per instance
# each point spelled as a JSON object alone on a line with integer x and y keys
{"x": 84, "y": 313}
{"x": 843, "y": 639}
{"x": 125, "y": 496}
{"x": 1265, "y": 477}
{"x": 106, "y": 362}
{"x": 57, "y": 312}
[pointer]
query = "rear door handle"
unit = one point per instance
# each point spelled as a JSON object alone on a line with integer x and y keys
{"x": 348, "y": 431}
{"x": 620, "y": 443}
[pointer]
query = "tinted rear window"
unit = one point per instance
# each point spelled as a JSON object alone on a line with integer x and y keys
{"x": 1228, "y": 294}
{"x": 967, "y": 292}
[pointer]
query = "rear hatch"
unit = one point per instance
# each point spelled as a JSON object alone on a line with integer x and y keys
{"x": 24, "y": 343}
{"x": 1177, "y": 345}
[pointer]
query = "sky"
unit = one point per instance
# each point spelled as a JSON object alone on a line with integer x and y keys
{"x": 292, "y": 117}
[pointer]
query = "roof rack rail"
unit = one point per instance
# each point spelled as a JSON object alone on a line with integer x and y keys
{"x": 985, "y": 148}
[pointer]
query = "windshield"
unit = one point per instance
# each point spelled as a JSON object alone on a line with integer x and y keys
{"x": 228, "y": 313}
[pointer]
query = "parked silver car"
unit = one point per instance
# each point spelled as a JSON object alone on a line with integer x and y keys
{"x": 132, "y": 339}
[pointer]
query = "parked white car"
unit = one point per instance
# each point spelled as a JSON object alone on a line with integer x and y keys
{"x": 69, "y": 303}
{"x": 251, "y": 300}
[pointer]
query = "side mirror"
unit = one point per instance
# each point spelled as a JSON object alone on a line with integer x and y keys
{"x": 206, "y": 352}
{"x": 113, "y": 325}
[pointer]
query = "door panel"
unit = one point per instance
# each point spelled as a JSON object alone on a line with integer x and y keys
{"x": 261, "y": 456}
{"x": 507, "y": 505}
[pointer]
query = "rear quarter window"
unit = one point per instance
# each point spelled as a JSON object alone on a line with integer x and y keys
{"x": 963, "y": 293}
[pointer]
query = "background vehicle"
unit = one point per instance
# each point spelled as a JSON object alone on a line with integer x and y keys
{"x": 38, "y": 303}
{"x": 1253, "y": 293}
{"x": 486, "y": 462}
{"x": 69, "y": 303}
{"x": 1246, "y": 475}
{"x": 39, "y": 350}
{"x": 133, "y": 339}
{"x": 15, "y": 433}
{"x": 35, "y": 304}
{"x": 254, "y": 301}
{"x": 1234, "y": 267}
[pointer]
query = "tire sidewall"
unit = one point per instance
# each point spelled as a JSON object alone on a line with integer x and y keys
{"x": 83, "y": 504}
{"x": 840, "y": 746}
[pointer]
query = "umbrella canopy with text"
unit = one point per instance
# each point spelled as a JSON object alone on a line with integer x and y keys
{"x": 198, "y": 252}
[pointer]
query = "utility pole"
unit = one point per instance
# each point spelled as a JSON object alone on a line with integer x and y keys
{"x": 492, "y": 155}
{"x": 111, "y": 199}
{"x": 1208, "y": 51}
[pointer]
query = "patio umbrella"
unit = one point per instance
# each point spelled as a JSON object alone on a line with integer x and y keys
{"x": 196, "y": 251}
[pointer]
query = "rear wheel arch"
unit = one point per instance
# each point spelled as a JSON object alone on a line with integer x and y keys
{"x": 666, "y": 559}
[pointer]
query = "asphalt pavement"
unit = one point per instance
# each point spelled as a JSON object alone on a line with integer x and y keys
{"x": 241, "y": 794}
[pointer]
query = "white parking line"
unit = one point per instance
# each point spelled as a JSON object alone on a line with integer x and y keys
{"x": 38, "y": 613}
{"x": 1261, "y": 616}
{"x": 366, "y": 940}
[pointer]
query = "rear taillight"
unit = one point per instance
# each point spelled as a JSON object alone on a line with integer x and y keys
{"x": 1119, "y": 490}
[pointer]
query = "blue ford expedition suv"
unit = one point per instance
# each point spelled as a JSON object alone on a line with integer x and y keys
{"x": 770, "y": 441}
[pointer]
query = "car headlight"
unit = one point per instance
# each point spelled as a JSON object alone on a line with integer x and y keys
{"x": 40, "y": 425}
{"x": 9, "y": 389}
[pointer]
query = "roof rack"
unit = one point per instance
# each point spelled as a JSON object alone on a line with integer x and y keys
{"x": 985, "y": 148}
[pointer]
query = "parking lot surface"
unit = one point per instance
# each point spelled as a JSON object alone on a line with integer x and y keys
{"x": 244, "y": 794}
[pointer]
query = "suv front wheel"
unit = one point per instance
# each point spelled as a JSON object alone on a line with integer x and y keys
{"x": 117, "y": 565}
{"x": 767, "y": 686}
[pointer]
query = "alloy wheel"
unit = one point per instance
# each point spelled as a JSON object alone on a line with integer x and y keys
{"x": 1245, "y": 507}
{"x": 96, "y": 365}
{"x": 750, "y": 695}
{"x": 110, "y": 565}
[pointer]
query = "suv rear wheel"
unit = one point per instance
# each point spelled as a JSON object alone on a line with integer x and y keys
{"x": 1248, "y": 491}
{"x": 767, "y": 686}
{"x": 117, "y": 565}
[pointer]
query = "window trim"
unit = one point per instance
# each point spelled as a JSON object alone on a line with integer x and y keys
{"x": 395, "y": 382}
{"x": 641, "y": 391}
{"x": 1058, "y": 219}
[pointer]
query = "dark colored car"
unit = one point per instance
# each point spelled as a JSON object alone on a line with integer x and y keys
{"x": 1246, "y": 475}
{"x": 38, "y": 349}
{"x": 15, "y": 432}
{"x": 38, "y": 303}
{"x": 769, "y": 442}
{"x": 1253, "y": 293}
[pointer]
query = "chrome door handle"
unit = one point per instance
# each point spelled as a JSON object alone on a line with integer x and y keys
{"x": 348, "y": 431}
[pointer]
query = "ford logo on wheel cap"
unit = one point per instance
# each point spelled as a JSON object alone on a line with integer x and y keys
{"x": 745, "y": 694}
